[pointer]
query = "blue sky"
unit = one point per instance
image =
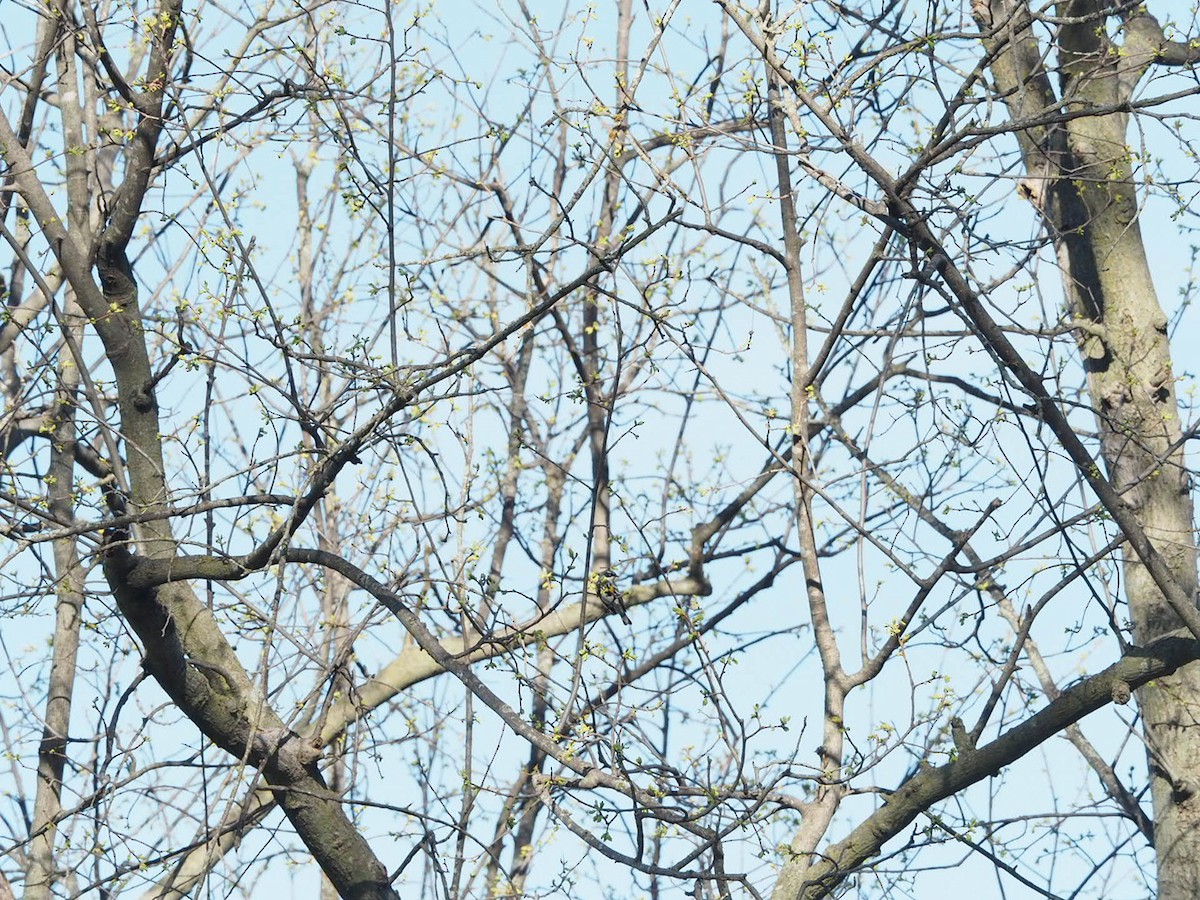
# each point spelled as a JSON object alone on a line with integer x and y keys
{"x": 455, "y": 276}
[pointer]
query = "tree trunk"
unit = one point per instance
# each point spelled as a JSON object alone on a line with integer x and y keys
{"x": 1080, "y": 176}
{"x": 52, "y": 754}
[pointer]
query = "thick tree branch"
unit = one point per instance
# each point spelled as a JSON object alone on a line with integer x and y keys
{"x": 931, "y": 785}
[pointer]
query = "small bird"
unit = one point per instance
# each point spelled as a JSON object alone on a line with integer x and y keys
{"x": 604, "y": 586}
{"x": 964, "y": 743}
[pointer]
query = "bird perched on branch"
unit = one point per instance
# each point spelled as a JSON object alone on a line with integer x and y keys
{"x": 964, "y": 741}
{"x": 604, "y": 586}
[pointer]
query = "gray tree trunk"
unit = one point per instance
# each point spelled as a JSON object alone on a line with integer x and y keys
{"x": 1080, "y": 176}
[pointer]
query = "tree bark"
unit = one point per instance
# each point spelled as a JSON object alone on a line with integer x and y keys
{"x": 1080, "y": 176}
{"x": 52, "y": 754}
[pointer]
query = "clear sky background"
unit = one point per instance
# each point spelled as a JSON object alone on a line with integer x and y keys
{"x": 485, "y": 59}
